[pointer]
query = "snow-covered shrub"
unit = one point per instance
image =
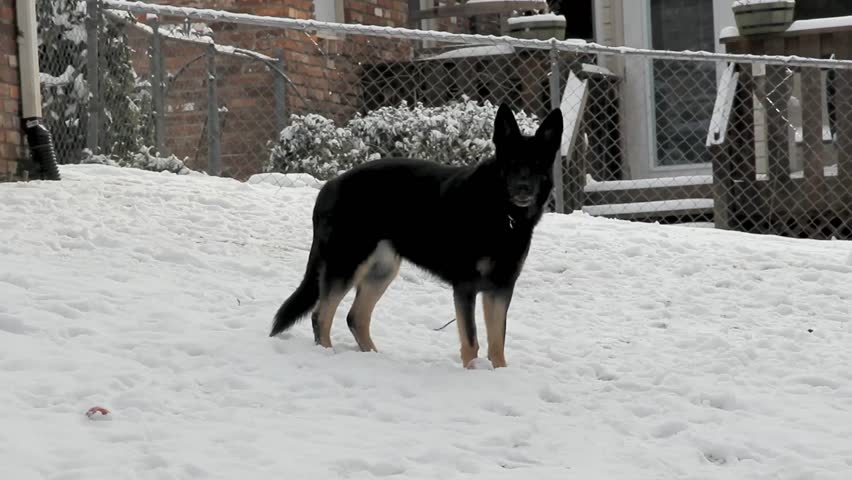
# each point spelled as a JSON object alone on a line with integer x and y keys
{"x": 313, "y": 144}
{"x": 126, "y": 104}
{"x": 142, "y": 159}
{"x": 458, "y": 133}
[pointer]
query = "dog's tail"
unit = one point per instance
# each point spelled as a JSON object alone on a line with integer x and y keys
{"x": 302, "y": 300}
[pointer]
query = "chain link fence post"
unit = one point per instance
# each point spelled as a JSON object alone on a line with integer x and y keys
{"x": 214, "y": 150}
{"x": 280, "y": 92}
{"x": 555, "y": 83}
{"x": 157, "y": 85}
{"x": 93, "y": 18}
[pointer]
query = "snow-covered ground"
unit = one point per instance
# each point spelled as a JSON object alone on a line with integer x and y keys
{"x": 635, "y": 351}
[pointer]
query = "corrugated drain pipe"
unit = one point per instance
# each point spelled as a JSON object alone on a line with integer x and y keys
{"x": 38, "y": 136}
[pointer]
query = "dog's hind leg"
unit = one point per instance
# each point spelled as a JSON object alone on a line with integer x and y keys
{"x": 378, "y": 273}
{"x": 323, "y": 315}
{"x": 349, "y": 266}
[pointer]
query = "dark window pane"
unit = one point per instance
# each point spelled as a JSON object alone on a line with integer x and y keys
{"x": 682, "y": 25}
{"x": 578, "y": 20}
{"x": 807, "y": 9}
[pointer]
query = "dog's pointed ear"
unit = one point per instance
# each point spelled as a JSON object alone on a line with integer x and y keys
{"x": 550, "y": 130}
{"x": 505, "y": 125}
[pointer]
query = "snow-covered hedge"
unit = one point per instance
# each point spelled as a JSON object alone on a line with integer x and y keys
{"x": 313, "y": 144}
{"x": 143, "y": 159}
{"x": 458, "y": 133}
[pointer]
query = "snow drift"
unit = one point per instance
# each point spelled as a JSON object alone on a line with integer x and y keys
{"x": 635, "y": 351}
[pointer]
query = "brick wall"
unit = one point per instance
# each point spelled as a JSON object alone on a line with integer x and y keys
{"x": 10, "y": 125}
{"x": 323, "y": 69}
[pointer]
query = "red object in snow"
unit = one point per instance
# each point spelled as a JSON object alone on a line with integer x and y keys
{"x": 94, "y": 411}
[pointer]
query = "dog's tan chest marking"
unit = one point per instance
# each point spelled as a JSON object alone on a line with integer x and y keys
{"x": 485, "y": 266}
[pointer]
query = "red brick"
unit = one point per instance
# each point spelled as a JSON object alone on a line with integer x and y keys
{"x": 311, "y": 71}
{"x": 9, "y": 75}
{"x": 8, "y": 152}
{"x": 11, "y": 166}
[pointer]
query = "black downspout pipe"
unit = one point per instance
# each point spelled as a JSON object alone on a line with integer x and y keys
{"x": 41, "y": 149}
{"x": 38, "y": 136}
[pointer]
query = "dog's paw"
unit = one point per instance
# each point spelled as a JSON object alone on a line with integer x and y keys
{"x": 479, "y": 364}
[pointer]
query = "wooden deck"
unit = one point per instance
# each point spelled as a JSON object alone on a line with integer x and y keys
{"x": 799, "y": 131}
{"x": 804, "y": 128}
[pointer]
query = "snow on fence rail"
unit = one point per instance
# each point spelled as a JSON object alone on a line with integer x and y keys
{"x": 570, "y": 45}
{"x": 667, "y": 136}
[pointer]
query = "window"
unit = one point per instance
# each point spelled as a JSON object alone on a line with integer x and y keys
{"x": 579, "y": 17}
{"x": 579, "y": 20}
{"x": 329, "y": 10}
{"x": 683, "y": 92}
{"x": 807, "y": 9}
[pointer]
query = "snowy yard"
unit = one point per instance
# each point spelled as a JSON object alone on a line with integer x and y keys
{"x": 635, "y": 351}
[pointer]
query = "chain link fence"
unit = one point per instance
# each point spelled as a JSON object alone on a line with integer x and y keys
{"x": 755, "y": 143}
{"x": 135, "y": 91}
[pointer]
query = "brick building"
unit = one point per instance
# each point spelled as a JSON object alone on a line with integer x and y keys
{"x": 10, "y": 124}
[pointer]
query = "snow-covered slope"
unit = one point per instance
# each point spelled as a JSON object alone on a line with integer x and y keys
{"x": 635, "y": 351}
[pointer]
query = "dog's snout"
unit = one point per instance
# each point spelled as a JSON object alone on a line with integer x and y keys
{"x": 523, "y": 189}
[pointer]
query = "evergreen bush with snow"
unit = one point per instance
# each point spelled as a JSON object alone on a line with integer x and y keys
{"x": 458, "y": 133}
{"x": 313, "y": 144}
{"x": 125, "y": 99}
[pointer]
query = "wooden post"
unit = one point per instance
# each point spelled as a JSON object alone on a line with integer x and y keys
{"x": 778, "y": 90}
{"x": 812, "y": 145}
{"x": 745, "y": 167}
{"x": 573, "y": 105}
{"x": 743, "y": 152}
{"x": 718, "y": 144}
{"x": 843, "y": 111}
{"x": 577, "y": 171}
{"x": 794, "y": 127}
{"x": 723, "y": 185}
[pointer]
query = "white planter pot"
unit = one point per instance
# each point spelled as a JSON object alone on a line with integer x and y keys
{"x": 763, "y": 16}
{"x": 538, "y": 27}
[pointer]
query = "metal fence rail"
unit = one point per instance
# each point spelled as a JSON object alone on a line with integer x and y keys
{"x": 757, "y": 143}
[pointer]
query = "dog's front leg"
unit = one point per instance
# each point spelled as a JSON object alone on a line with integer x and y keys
{"x": 495, "y": 305}
{"x": 465, "y": 302}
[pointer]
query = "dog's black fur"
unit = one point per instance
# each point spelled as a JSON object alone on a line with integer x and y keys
{"x": 470, "y": 226}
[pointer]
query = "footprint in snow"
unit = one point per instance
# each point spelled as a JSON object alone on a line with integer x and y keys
{"x": 669, "y": 428}
{"x": 501, "y": 408}
{"x": 549, "y": 395}
{"x": 378, "y": 469}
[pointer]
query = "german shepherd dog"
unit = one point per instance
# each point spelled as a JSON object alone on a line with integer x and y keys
{"x": 470, "y": 226}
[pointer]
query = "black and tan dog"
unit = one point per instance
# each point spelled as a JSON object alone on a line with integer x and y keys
{"x": 470, "y": 226}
